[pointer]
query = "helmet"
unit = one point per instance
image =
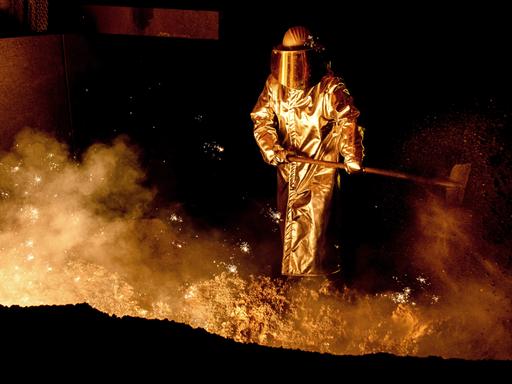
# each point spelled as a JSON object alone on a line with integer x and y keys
{"x": 297, "y": 62}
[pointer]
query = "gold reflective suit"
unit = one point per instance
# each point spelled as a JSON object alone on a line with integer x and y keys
{"x": 318, "y": 122}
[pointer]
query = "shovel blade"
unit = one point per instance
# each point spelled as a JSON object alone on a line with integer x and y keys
{"x": 460, "y": 175}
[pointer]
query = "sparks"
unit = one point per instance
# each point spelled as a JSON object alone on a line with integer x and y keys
{"x": 191, "y": 293}
{"x": 245, "y": 247}
{"x": 175, "y": 218}
{"x": 213, "y": 149}
{"x": 52, "y": 165}
{"x": 273, "y": 214}
{"x": 178, "y": 244}
{"x": 401, "y": 297}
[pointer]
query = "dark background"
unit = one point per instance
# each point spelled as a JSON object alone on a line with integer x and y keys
{"x": 406, "y": 65}
{"x": 175, "y": 98}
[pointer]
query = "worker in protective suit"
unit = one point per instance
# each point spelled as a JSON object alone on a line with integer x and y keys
{"x": 307, "y": 111}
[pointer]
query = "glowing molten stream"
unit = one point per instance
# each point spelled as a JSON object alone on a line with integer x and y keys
{"x": 77, "y": 231}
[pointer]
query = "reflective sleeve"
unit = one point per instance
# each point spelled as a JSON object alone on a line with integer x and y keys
{"x": 265, "y": 122}
{"x": 342, "y": 110}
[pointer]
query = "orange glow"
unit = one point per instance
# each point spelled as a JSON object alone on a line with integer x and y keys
{"x": 74, "y": 232}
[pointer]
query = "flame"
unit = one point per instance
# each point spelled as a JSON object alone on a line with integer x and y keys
{"x": 78, "y": 231}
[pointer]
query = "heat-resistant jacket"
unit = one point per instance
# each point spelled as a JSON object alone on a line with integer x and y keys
{"x": 320, "y": 123}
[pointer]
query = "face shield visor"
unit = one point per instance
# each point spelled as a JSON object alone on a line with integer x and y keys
{"x": 298, "y": 68}
{"x": 292, "y": 67}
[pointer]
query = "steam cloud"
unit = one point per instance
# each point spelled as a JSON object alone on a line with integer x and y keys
{"x": 85, "y": 231}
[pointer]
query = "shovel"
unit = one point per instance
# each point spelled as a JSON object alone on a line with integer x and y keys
{"x": 455, "y": 185}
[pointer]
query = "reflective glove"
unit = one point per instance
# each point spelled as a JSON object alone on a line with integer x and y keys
{"x": 353, "y": 167}
{"x": 281, "y": 156}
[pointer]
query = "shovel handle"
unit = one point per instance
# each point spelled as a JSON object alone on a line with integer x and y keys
{"x": 330, "y": 164}
{"x": 383, "y": 172}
